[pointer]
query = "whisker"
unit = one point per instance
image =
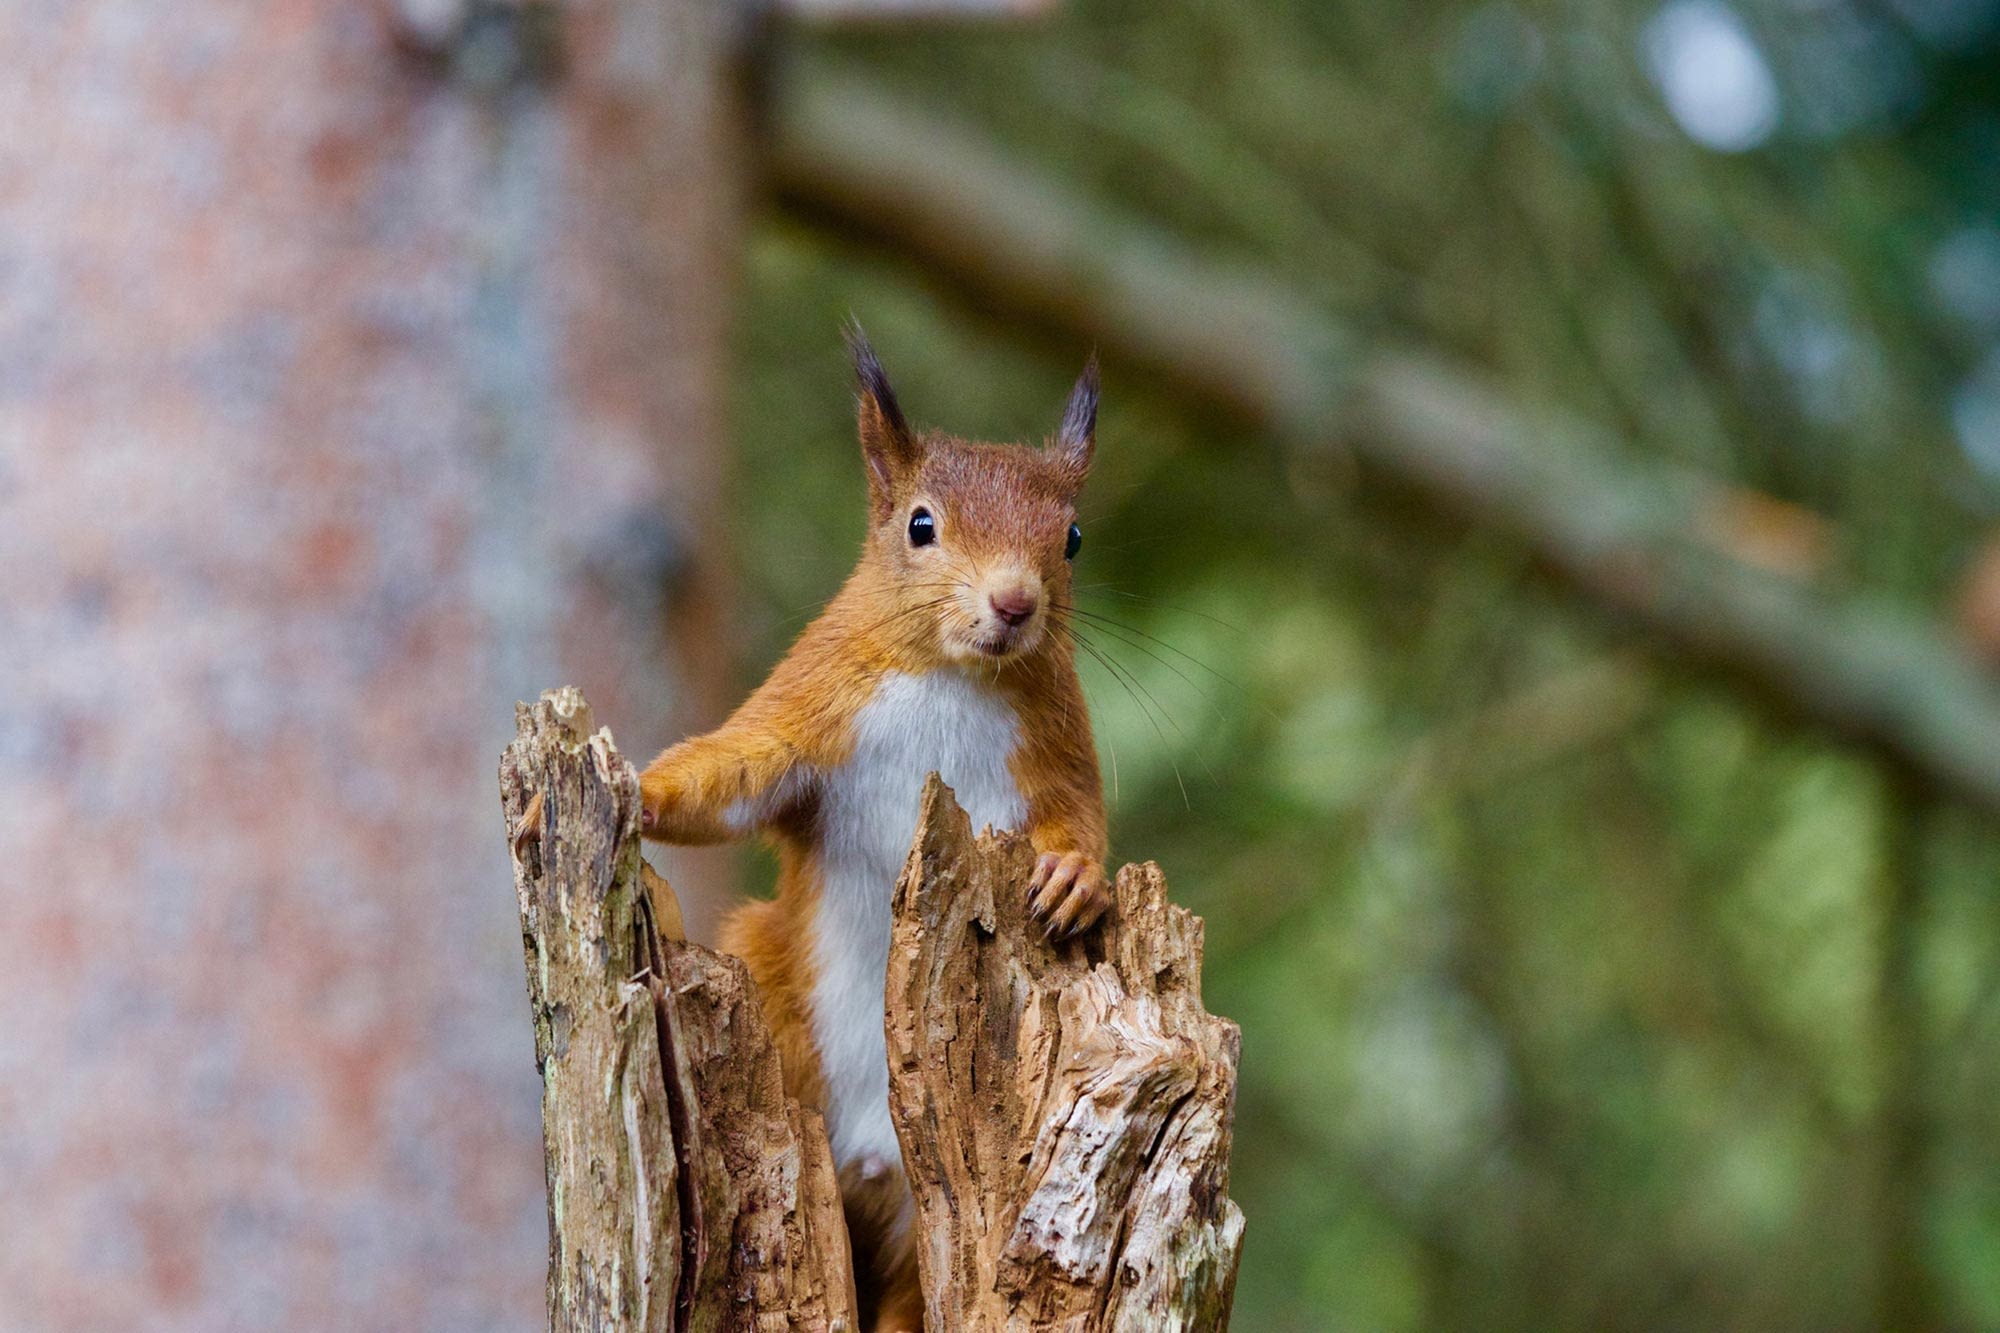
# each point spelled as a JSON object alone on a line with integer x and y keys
{"x": 1185, "y": 678}
{"x": 1109, "y": 744}
{"x": 906, "y": 611}
{"x": 1101, "y": 621}
{"x": 1154, "y": 601}
{"x": 1164, "y": 712}
{"x": 1134, "y": 689}
{"x": 801, "y": 612}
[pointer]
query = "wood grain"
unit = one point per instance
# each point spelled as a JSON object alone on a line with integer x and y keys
{"x": 686, "y": 1191}
{"x": 1065, "y": 1110}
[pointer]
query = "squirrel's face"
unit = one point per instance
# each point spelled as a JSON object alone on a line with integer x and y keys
{"x": 983, "y": 540}
{"x": 979, "y": 538}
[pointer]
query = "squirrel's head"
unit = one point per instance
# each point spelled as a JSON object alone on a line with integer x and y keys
{"x": 977, "y": 539}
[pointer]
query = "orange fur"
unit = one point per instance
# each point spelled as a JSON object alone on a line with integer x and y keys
{"x": 1003, "y": 516}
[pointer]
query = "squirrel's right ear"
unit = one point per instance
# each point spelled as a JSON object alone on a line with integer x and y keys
{"x": 1076, "y": 438}
{"x": 886, "y": 442}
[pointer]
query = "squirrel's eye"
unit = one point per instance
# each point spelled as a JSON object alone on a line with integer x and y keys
{"x": 1075, "y": 541}
{"x": 923, "y": 528}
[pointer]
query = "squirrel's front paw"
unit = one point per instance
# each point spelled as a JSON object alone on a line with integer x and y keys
{"x": 529, "y": 830}
{"x": 1068, "y": 892}
{"x": 656, "y": 797}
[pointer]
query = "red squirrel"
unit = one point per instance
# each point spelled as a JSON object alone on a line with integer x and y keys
{"x": 947, "y": 649}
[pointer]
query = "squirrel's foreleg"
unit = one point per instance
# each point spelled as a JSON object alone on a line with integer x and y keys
{"x": 717, "y": 787}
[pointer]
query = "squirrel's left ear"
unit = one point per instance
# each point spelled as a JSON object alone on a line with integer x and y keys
{"x": 1076, "y": 438}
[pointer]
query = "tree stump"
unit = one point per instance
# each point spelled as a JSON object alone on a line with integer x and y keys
{"x": 686, "y": 1191}
{"x": 1064, "y": 1111}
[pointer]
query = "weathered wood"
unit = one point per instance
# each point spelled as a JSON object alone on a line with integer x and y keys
{"x": 766, "y": 1241}
{"x": 614, "y": 1212}
{"x": 1064, "y": 1111}
{"x": 686, "y": 1191}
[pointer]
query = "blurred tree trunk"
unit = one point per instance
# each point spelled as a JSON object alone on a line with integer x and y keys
{"x": 360, "y": 373}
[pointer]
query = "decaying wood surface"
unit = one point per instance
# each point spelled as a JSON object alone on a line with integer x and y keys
{"x": 685, "y": 1190}
{"x": 1064, "y": 1111}
{"x": 767, "y": 1243}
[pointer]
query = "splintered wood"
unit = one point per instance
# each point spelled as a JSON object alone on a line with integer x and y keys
{"x": 773, "y": 1253}
{"x": 1064, "y": 1111}
{"x": 685, "y": 1190}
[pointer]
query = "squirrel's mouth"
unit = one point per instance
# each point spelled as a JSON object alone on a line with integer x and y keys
{"x": 1003, "y": 641}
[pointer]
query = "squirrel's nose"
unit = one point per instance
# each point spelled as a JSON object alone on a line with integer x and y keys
{"x": 1014, "y": 605}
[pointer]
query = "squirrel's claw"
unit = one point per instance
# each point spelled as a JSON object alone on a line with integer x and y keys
{"x": 1067, "y": 892}
{"x": 1042, "y": 890}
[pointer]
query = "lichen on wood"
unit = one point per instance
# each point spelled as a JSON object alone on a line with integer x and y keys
{"x": 614, "y": 1217}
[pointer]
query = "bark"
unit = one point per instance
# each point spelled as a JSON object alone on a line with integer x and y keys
{"x": 765, "y": 1235}
{"x": 1064, "y": 1110}
{"x": 326, "y": 329}
{"x": 686, "y": 1191}
{"x": 1633, "y": 537}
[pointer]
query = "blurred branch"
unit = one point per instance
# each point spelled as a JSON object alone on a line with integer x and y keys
{"x": 1582, "y": 706}
{"x": 1635, "y": 538}
{"x": 890, "y": 11}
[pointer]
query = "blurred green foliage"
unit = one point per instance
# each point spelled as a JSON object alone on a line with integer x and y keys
{"x": 1576, "y": 991}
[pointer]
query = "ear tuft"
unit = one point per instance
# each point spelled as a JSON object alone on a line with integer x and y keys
{"x": 1076, "y": 438}
{"x": 873, "y": 381}
{"x": 886, "y": 441}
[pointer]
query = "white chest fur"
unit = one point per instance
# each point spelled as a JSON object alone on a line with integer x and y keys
{"x": 945, "y": 721}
